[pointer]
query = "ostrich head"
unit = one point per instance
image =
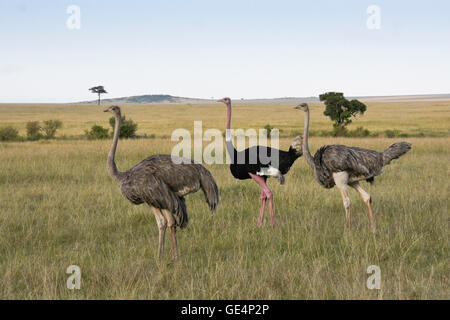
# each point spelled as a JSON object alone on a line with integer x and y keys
{"x": 113, "y": 110}
{"x": 302, "y": 106}
{"x": 227, "y": 101}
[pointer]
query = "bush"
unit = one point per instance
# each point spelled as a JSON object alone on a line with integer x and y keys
{"x": 392, "y": 133}
{"x": 50, "y": 127}
{"x": 147, "y": 136}
{"x": 97, "y": 132}
{"x": 340, "y": 131}
{"x": 359, "y": 132}
{"x": 33, "y": 130}
{"x": 9, "y": 134}
{"x": 127, "y": 129}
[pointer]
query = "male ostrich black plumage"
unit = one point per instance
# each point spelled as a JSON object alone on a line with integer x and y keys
{"x": 162, "y": 183}
{"x": 346, "y": 166}
{"x": 259, "y": 163}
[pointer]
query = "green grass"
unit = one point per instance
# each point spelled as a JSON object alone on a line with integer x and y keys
{"x": 59, "y": 207}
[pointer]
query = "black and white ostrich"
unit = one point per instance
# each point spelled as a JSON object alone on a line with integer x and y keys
{"x": 346, "y": 166}
{"x": 249, "y": 164}
{"x": 162, "y": 184}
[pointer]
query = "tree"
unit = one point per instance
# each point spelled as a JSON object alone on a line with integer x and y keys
{"x": 340, "y": 110}
{"x": 50, "y": 127}
{"x": 127, "y": 129}
{"x": 33, "y": 130}
{"x": 98, "y": 90}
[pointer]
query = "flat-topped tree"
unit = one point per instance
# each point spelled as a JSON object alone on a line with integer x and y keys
{"x": 341, "y": 110}
{"x": 98, "y": 90}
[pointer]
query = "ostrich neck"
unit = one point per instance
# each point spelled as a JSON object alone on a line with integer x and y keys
{"x": 228, "y": 138}
{"x": 309, "y": 158}
{"x": 112, "y": 168}
{"x": 228, "y": 130}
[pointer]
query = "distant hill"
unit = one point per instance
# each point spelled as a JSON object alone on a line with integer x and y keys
{"x": 168, "y": 99}
{"x": 150, "y": 98}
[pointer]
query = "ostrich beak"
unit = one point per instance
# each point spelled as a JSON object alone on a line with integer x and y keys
{"x": 107, "y": 110}
{"x": 221, "y": 100}
{"x": 301, "y": 106}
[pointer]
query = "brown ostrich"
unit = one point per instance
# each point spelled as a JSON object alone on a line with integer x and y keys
{"x": 162, "y": 184}
{"x": 346, "y": 166}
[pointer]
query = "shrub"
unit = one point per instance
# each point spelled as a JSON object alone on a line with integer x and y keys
{"x": 147, "y": 136}
{"x": 33, "y": 130}
{"x": 392, "y": 133}
{"x": 8, "y": 134}
{"x": 97, "y": 132}
{"x": 127, "y": 129}
{"x": 50, "y": 127}
{"x": 359, "y": 132}
{"x": 339, "y": 131}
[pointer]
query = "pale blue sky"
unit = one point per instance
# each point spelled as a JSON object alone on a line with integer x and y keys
{"x": 212, "y": 48}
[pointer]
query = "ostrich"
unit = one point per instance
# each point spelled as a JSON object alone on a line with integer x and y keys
{"x": 346, "y": 166}
{"x": 162, "y": 184}
{"x": 249, "y": 164}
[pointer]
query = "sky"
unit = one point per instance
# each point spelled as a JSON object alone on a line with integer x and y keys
{"x": 215, "y": 48}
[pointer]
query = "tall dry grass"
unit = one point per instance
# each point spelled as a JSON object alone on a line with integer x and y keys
{"x": 59, "y": 207}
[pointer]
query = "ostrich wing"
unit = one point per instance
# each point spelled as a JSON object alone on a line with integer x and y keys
{"x": 162, "y": 184}
{"x": 154, "y": 191}
{"x": 357, "y": 162}
{"x": 188, "y": 177}
{"x": 257, "y": 157}
{"x": 182, "y": 178}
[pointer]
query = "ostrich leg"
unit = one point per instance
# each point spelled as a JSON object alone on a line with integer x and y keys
{"x": 162, "y": 226}
{"x": 173, "y": 230}
{"x": 341, "y": 180}
{"x": 263, "y": 205}
{"x": 347, "y": 204}
{"x": 368, "y": 200}
{"x": 268, "y": 193}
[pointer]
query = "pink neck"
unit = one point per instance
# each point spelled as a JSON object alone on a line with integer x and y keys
{"x": 228, "y": 133}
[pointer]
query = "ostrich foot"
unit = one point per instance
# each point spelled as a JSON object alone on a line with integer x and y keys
{"x": 273, "y": 222}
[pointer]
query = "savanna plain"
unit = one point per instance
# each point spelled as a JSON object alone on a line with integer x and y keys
{"x": 59, "y": 207}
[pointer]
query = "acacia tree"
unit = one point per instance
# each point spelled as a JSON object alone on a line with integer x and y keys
{"x": 98, "y": 90}
{"x": 340, "y": 110}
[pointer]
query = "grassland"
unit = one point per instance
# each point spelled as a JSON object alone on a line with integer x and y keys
{"x": 413, "y": 118}
{"x": 58, "y": 207}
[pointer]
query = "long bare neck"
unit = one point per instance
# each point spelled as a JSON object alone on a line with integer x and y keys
{"x": 112, "y": 168}
{"x": 228, "y": 138}
{"x": 308, "y": 156}
{"x": 228, "y": 129}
